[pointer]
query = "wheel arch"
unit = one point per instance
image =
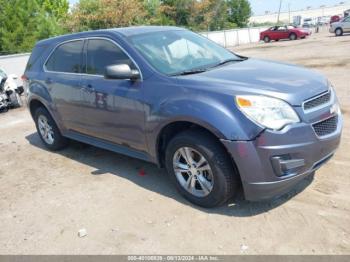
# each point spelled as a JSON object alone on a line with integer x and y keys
{"x": 293, "y": 33}
{"x": 171, "y": 129}
{"x": 34, "y": 104}
{"x": 339, "y": 27}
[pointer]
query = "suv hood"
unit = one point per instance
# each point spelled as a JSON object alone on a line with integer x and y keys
{"x": 336, "y": 24}
{"x": 291, "y": 83}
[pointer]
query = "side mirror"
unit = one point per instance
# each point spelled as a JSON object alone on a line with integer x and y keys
{"x": 122, "y": 71}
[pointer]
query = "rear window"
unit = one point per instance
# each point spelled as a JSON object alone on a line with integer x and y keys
{"x": 66, "y": 58}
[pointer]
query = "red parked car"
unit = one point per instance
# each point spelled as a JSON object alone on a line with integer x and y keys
{"x": 282, "y": 32}
{"x": 335, "y": 18}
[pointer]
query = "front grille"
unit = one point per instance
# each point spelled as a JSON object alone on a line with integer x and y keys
{"x": 326, "y": 127}
{"x": 317, "y": 101}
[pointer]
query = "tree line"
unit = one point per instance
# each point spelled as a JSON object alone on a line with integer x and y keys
{"x": 23, "y": 22}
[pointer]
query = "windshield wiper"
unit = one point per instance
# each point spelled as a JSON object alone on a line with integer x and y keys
{"x": 190, "y": 72}
{"x": 228, "y": 61}
{"x": 201, "y": 70}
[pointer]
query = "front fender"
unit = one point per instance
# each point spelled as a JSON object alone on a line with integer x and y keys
{"x": 218, "y": 115}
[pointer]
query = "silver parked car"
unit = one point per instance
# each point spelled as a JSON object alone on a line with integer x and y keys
{"x": 341, "y": 27}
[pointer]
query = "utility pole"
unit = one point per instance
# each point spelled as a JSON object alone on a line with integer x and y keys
{"x": 289, "y": 11}
{"x": 279, "y": 12}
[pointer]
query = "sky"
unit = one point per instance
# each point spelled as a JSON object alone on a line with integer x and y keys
{"x": 260, "y": 6}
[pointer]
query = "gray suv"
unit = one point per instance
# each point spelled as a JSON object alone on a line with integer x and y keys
{"x": 215, "y": 120}
{"x": 341, "y": 27}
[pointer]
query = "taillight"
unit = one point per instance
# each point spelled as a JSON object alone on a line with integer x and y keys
{"x": 24, "y": 78}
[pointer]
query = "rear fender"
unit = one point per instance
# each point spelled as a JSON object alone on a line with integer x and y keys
{"x": 38, "y": 92}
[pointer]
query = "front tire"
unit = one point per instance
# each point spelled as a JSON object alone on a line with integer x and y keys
{"x": 48, "y": 131}
{"x": 293, "y": 37}
{"x": 201, "y": 169}
{"x": 267, "y": 39}
{"x": 338, "y": 32}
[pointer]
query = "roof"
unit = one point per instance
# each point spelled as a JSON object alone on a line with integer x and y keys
{"x": 136, "y": 30}
{"x": 124, "y": 31}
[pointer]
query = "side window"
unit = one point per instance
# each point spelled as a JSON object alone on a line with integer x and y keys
{"x": 66, "y": 58}
{"x": 102, "y": 53}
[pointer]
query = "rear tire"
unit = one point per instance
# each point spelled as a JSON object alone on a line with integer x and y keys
{"x": 210, "y": 188}
{"x": 293, "y": 37}
{"x": 267, "y": 39}
{"x": 339, "y": 32}
{"x": 48, "y": 131}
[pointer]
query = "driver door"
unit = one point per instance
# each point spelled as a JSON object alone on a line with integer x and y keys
{"x": 113, "y": 107}
{"x": 282, "y": 32}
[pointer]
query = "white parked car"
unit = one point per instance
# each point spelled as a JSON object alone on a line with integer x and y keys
{"x": 10, "y": 92}
{"x": 341, "y": 27}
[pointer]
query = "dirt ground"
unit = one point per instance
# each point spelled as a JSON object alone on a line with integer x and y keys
{"x": 46, "y": 198}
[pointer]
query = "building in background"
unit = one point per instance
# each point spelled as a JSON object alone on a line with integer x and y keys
{"x": 321, "y": 14}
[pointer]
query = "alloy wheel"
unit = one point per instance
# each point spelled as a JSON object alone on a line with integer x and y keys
{"x": 45, "y": 129}
{"x": 338, "y": 32}
{"x": 193, "y": 171}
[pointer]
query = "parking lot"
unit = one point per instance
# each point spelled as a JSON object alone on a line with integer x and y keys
{"x": 129, "y": 206}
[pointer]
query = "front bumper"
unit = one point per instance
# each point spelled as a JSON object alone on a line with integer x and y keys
{"x": 255, "y": 159}
{"x": 331, "y": 30}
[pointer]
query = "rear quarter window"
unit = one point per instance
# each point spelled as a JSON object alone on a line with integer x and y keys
{"x": 35, "y": 57}
{"x": 66, "y": 58}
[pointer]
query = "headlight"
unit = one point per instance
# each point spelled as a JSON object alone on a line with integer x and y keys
{"x": 269, "y": 112}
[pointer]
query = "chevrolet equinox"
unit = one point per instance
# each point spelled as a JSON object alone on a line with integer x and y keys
{"x": 215, "y": 120}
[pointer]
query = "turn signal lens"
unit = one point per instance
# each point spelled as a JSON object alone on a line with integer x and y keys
{"x": 242, "y": 102}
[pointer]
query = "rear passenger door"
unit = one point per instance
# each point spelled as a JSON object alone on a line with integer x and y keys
{"x": 63, "y": 81}
{"x": 114, "y": 110}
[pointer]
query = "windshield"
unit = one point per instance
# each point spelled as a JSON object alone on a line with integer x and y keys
{"x": 179, "y": 51}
